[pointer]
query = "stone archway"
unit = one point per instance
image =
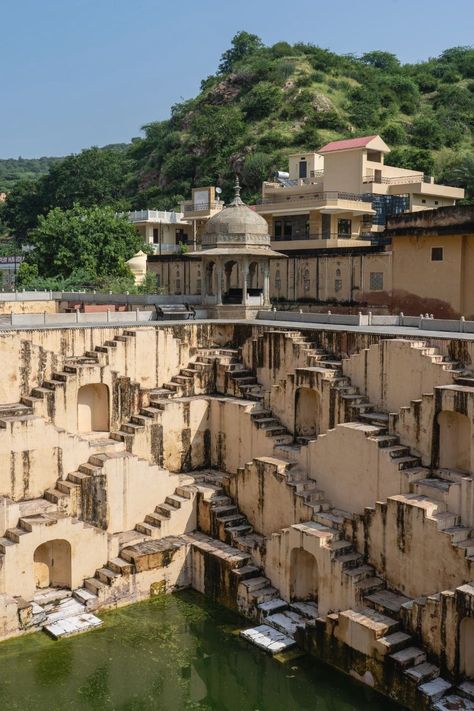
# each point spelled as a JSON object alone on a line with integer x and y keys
{"x": 52, "y": 564}
{"x": 93, "y": 408}
{"x": 307, "y": 413}
{"x": 466, "y": 647}
{"x": 454, "y": 441}
{"x": 304, "y": 577}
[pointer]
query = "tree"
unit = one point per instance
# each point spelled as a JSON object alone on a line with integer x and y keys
{"x": 22, "y": 207}
{"x": 92, "y": 177}
{"x": 257, "y": 168}
{"x": 385, "y": 61}
{"x": 459, "y": 171}
{"x": 243, "y": 44}
{"x": 93, "y": 240}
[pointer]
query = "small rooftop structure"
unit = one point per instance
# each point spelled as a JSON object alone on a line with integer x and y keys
{"x": 348, "y": 144}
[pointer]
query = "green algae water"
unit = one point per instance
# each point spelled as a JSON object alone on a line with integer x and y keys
{"x": 171, "y": 653}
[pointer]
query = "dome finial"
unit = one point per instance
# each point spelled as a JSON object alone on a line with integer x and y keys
{"x": 237, "y": 199}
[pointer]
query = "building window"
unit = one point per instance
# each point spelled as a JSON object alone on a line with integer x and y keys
{"x": 303, "y": 169}
{"x": 198, "y": 285}
{"x": 423, "y": 200}
{"x": 277, "y": 229}
{"x": 338, "y": 284}
{"x": 436, "y": 202}
{"x": 344, "y": 228}
{"x": 376, "y": 281}
{"x": 436, "y": 254}
{"x": 156, "y": 235}
{"x": 158, "y": 281}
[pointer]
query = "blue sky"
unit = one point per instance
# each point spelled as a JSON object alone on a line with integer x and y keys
{"x": 76, "y": 73}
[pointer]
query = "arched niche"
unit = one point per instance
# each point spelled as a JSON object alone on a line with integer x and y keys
{"x": 93, "y": 408}
{"x": 304, "y": 577}
{"x": 52, "y": 564}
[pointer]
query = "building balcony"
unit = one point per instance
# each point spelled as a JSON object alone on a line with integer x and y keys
{"x": 161, "y": 216}
{"x": 331, "y": 202}
{"x": 395, "y": 180}
{"x": 201, "y": 209}
{"x": 321, "y": 240}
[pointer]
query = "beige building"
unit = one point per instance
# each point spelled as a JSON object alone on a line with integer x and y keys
{"x": 162, "y": 230}
{"x": 433, "y": 262}
{"x": 205, "y": 202}
{"x": 344, "y": 192}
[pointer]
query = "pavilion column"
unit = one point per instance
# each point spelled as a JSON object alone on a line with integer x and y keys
{"x": 266, "y": 283}
{"x": 245, "y": 274}
{"x": 219, "y": 282}
{"x": 203, "y": 280}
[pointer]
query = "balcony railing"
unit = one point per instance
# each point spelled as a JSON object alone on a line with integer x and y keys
{"x": 202, "y": 206}
{"x": 318, "y": 197}
{"x": 319, "y": 236}
{"x": 165, "y": 216}
{"x": 397, "y": 180}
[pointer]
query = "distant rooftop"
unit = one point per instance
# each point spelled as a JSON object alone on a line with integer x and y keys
{"x": 453, "y": 219}
{"x": 350, "y": 143}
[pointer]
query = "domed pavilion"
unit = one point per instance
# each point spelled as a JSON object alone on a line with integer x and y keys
{"x": 236, "y": 255}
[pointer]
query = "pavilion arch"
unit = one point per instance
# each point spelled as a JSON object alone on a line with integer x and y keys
{"x": 304, "y": 578}
{"x": 252, "y": 280}
{"x": 466, "y": 647}
{"x": 93, "y": 408}
{"x": 228, "y": 274}
{"x": 52, "y": 564}
{"x": 307, "y": 412}
{"x": 209, "y": 278}
{"x": 454, "y": 440}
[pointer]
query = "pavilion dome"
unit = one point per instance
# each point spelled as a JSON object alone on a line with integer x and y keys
{"x": 236, "y": 225}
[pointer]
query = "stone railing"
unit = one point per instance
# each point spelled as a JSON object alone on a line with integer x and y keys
{"x": 422, "y": 322}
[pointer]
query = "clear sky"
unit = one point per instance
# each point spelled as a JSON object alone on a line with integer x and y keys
{"x": 76, "y": 73}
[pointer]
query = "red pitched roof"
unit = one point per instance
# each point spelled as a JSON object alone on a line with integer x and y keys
{"x": 347, "y": 144}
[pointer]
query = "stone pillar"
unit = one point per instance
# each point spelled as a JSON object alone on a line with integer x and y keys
{"x": 219, "y": 282}
{"x": 203, "y": 280}
{"x": 245, "y": 274}
{"x": 266, "y": 283}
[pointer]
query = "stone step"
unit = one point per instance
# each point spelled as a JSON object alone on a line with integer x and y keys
{"x": 453, "y": 702}
{"x": 246, "y": 572}
{"x": 422, "y": 672}
{"x": 386, "y": 601}
{"x": 270, "y": 607}
{"x": 95, "y": 586}
{"x": 466, "y": 689}
{"x": 388, "y": 644}
{"x": 106, "y": 575}
{"x": 434, "y": 690}
{"x": 269, "y": 639}
{"x": 85, "y": 597}
{"x": 286, "y": 621}
{"x": 78, "y": 477}
{"x": 66, "y": 487}
{"x": 156, "y": 518}
{"x": 306, "y": 609}
{"x": 408, "y": 657}
{"x": 55, "y": 496}
{"x": 73, "y": 625}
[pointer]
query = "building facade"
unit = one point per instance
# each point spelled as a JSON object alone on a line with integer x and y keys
{"x": 345, "y": 192}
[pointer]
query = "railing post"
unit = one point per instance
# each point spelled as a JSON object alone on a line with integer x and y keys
{"x": 461, "y": 324}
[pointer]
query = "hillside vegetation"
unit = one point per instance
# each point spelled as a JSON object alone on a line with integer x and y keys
{"x": 266, "y": 102}
{"x": 262, "y": 104}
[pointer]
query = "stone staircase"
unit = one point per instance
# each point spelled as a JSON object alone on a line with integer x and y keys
{"x": 175, "y": 515}
{"x": 63, "y": 613}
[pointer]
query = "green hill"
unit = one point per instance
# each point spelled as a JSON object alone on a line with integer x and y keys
{"x": 266, "y": 102}
{"x": 262, "y": 104}
{"x": 14, "y": 169}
